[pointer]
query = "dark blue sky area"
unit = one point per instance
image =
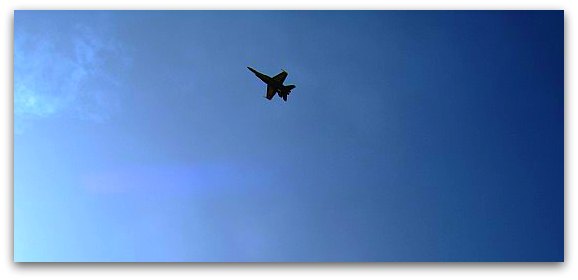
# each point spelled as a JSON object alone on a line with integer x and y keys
{"x": 411, "y": 136}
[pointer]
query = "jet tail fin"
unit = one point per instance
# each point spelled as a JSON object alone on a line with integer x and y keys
{"x": 288, "y": 88}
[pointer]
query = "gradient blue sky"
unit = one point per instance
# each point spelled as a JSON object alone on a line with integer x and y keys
{"x": 411, "y": 136}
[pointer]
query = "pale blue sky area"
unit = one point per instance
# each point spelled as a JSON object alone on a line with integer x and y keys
{"x": 411, "y": 136}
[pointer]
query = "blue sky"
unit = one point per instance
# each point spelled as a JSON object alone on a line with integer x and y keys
{"x": 411, "y": 136}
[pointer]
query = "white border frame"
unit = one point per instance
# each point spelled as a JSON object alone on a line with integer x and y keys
{"x": 445, "y": 271}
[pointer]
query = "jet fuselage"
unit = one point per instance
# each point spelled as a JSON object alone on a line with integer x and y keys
{"x": 274, "y": 84}
{"x": 269, "y": 81}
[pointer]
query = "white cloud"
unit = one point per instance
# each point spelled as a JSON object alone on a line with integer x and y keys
{"x": 73, "y": 73}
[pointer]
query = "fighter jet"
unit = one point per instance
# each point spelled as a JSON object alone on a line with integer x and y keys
{"x": 275, "y": 84}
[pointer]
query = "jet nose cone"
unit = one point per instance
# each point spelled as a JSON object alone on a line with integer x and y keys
{"x": 252, "y": 70}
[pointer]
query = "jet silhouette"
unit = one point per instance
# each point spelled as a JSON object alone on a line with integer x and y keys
{"x": 275, "y": 84}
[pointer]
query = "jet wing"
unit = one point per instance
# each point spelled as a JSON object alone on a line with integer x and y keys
{"x": 270, "y": 92}
{"x": 280, "y": 77}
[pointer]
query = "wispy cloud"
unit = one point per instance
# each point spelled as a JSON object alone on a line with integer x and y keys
{"x": 74, "y": 73}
